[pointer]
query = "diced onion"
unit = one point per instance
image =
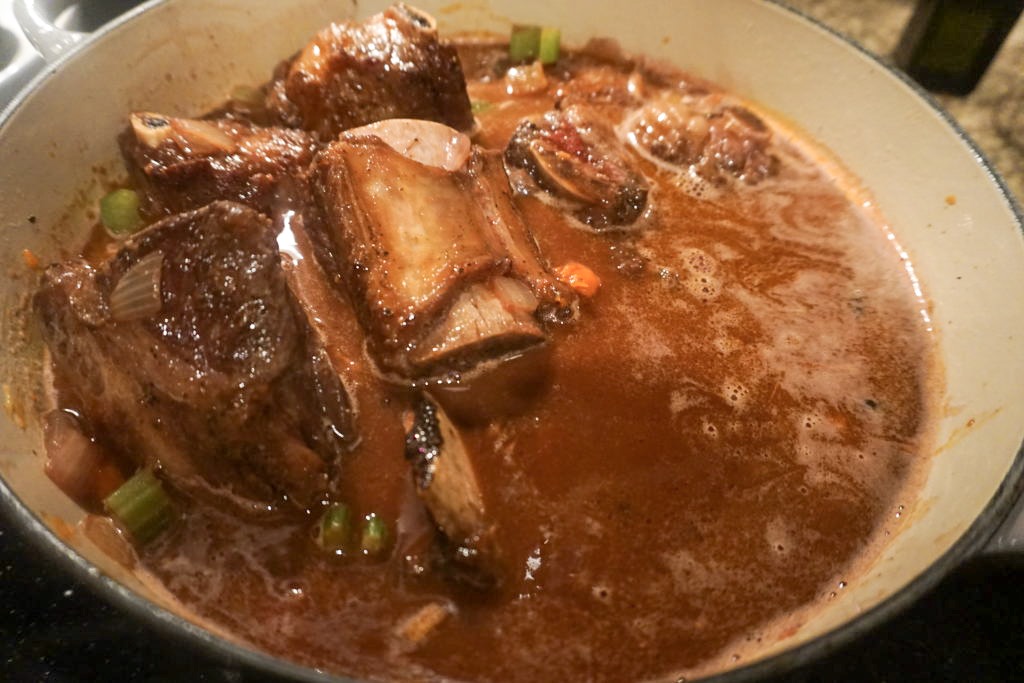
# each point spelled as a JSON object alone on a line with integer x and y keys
{"x": 526, "y": 80}
{"x": 427, "y": 142}
{"x": 415, "y": 628}
{"x": 109, "y": 538}
{"x": 137, "y": 294}
{"x": 74, "y": 462}
{"x": 202, "y": 137}
{"x": 515, "y": 294}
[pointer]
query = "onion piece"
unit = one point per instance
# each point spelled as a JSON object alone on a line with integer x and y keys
{"x": 526, "y": 80}
{"x": 415, "y": 628}
{"x": 74, "y": 462}
{"x": 137, "y": 294}
{"x": 192, "y": 136}
{"x": 426, "y": 142}
{"x": 515, "y": 295}
{"x": 110, "y": 539}
{"x": 202, "y": 137}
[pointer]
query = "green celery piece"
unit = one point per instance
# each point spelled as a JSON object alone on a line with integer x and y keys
{"x": 335, "y": 529}
{"x": 550, "y": 40}
{"x": 375, "y": 535}
{"x": 524, "y": 43}
{"x": 119, "y": 212}
{"x": 141, "y": 506}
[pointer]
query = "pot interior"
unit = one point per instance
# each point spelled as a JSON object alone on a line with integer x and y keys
{"x": 949, "y": 214}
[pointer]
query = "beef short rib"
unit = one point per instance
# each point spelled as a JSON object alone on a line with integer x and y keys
{"x": 184, "y": 164}
{"x": 186, "y": 352}
{"x": 390, "y": 66}
{"x": 437, "y": 260}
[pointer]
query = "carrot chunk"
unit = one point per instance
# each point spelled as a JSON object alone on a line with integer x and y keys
{"x": 583, "y": 280}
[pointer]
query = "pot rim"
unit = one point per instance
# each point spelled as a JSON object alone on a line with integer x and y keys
{"x": 968, "y": 545}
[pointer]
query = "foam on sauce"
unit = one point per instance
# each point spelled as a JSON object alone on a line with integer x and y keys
{"x": 723, "y": 432}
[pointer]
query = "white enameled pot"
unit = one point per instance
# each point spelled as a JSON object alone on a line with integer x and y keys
{"x": 949, "y": 211}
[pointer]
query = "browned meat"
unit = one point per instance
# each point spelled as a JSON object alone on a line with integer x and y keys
{"x": 390, "y": 66}
{"x": 184, "y": 164}
{"x": 446, "y": 482}
{"x": 607, "y": 90}
{"x": 580, "y": 162}
{"x": 706, "y": 134}
{"x": 185, "y": 351}
{"x": 438, "y": 261}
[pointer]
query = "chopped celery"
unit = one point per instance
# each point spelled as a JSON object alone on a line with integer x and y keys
{"x": 375, "y": 535}
{"x": 141, "y": 506}
{"x": 335, "y": 528}
{"x": 550, "y": 38}
{"x": 480, "y": 106}
{"x": 524, "y": 43}
{"x": 119, "y": 212}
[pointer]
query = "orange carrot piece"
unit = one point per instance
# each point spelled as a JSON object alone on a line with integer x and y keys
{"x": 581, "y": 279}
{"x": 30, "y": 259}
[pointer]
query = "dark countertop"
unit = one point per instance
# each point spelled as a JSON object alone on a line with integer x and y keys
{"x": 969, "y": 628}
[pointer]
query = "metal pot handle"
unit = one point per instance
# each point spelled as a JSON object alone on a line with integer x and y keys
{"x": 49, "y": 40}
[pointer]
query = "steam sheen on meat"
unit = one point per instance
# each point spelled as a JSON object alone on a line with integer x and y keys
{"x": 213, "y": 377}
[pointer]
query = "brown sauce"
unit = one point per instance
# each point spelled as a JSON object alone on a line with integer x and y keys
{"x": 715, "y": 442}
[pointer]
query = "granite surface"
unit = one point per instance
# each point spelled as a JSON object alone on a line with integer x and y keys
{"x": 993, "y": 114}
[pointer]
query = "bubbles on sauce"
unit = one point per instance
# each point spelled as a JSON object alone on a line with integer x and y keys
{"x": 810, "y": 420}
{"x": 698, "y": 261}
{"x": 602, "y": 593}
{"x": 840, "y": 585}
{"x": 292, "y": 589}
{"x": 684, "y": 398}
{"x": 533, "y": 564}
{"x": 692, "y": 184}
{"x": 736, "y": 393}
{"x": 701, "y": 278}
{"x": 778, "y": 537}
{"x": 725, "y": 344}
